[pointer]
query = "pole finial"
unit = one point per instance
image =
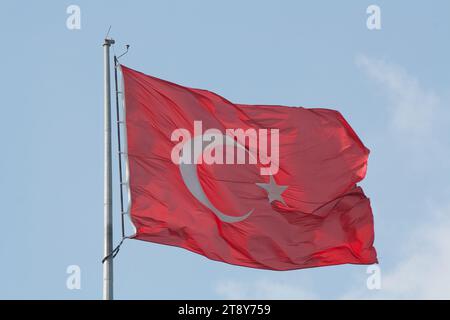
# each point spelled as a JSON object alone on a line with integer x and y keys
{"x": 108, "y": 42}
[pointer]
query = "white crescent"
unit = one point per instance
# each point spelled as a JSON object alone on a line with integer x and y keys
{"x": 190, "y": 175}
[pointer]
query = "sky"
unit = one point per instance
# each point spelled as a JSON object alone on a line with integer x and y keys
{"x": 392, "y": 85}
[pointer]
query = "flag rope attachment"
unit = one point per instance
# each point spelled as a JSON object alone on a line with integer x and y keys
{"x": 119, "y": 143}
{"x": 115, "y": 251}
{"x": 127, "y": 46}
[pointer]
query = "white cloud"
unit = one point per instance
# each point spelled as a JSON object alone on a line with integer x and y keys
{"x": 261, "y": 289}
{"x": 412, "y": 107}
{"x": 424, "y": 271}
{"x": 421, "y": 269}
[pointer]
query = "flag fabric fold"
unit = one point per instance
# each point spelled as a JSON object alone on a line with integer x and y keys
{"x": 306, "y": 211}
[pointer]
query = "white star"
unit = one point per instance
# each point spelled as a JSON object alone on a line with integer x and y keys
{"x": 274, "y": 191}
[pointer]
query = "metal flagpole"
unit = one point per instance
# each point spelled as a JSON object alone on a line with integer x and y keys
{"x": 108, "y": 227}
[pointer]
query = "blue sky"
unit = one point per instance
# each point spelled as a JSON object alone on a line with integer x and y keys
{"x": 392, "y": 85}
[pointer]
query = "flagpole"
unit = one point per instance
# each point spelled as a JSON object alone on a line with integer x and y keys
{"x": 107, "y": 209}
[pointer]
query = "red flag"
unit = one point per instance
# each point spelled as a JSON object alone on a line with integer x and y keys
{"x": 268, "y": 187}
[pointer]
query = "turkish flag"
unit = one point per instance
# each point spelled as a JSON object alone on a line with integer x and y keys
{"x": 306, "y": 211}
